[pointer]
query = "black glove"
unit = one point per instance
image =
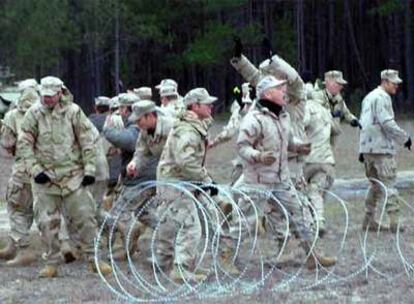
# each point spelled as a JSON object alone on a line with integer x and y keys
{"x": 355, "y": 123}
{"x": 238, "y": 47}
{"x": 337, "y": 114}
{"x": 361, "y": 158}
{"x": 213, "y": 190}
{"x": 41, "y": 178}
{"x": 408, "y": 144}
{"x": 88, "y": 180}
{"x": 252, "y": 92}
{"x": 267, "y": 48}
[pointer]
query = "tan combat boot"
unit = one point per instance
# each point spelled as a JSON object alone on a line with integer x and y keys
{"x": 9, "y": 251}
{"x": 49, "y": 271}
{"x": 68, "y": 253}
{"x": 370, "y": 224}
{"x": 227, "y": 262}
{"x": 315, "y": 259}
{"x": 394, "y": 221}
{"x": 104, "y": 267}
{"x": 24, "y": 257}
{"x": 180, "y": 274}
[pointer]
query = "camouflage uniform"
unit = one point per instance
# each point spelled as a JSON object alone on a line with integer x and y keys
{"x": 379, "y": 136}
{"x": 181, "y": 160}
{"x": 319, "y": 167}
{"x": 19, "y": 191}
{"x": 59, "y": 142}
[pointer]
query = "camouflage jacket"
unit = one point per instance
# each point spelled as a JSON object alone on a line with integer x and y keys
{"x": 11, "y": 130}
{"x": 60, "y": 143}
{"x": 232, "y": 126}
{"x": 295, "y": 87}
{"x": 379, "y": 132}
{"x": 335, "y": 104}
{"x": 260, "y": 131}
{"x": 319, "y": 127}
{"x": 152, "y": 145}
{"x": 175, "y": 108}
{"x": 184, "y": 153}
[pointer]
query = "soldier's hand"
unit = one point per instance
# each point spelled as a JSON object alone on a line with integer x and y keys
{"x": 408, "y": 144}
{"x": 361, "y": 158}
{"x": 131, "y": 169}
{"x": 238, "y": 47}
{"x": 355, "y": 123}
{"x": 267, "y": 158}
{"x": 337, "y": 114}
{"x": 88, "y": 180}
{"x": 41, "y": 178}
{"x": 304, "y": 149}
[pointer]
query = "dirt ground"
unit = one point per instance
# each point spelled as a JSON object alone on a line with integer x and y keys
{"x": 389, "y": 278}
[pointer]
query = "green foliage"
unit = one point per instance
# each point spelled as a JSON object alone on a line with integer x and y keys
{"x": 387, "y": 7}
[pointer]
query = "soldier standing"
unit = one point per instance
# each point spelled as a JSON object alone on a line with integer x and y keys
{"x": 377, "y": 147}
{"x": 58, "y": 146}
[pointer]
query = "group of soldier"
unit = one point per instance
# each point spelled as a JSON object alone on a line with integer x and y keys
{"x": 70, "y": 170}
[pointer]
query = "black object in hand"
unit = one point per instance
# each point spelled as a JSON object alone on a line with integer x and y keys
{"x": 408, "y": 144}
{"x": 238, "y": 47}
{"x": 361, "y": 158}
{"x": 41, "y": 178}
{"x": 88, "y": 180}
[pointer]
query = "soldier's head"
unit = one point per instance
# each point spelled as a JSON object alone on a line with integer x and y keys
{"x": 168, "y": 93}
{"x": 167, "y": 82}
{"x": 126, "y": 100}
{"x": 144, "y": 114}
{"x": 272, "y": 89}
{"x": 114, "y": 104}
{"x": 390, "y": 81}
{"x": 50, "y": 91}
{"x": 334, "y": 82}
{"x": 102, "y": 104}
{"x": 144, "y": 93}
{"x": 200, "y": 102}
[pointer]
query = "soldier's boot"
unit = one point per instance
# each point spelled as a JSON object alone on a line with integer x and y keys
{"x": 104, "y": 267}
{"x": 370, "y": 224}
{"x": 68, "y": 253}
{"x": 180, "y": 274}
{"x": 322, "y": 228}
{"x": 9, "y": 251}
{"x": 49, "y": 271}
{"x": 316, "y": 259}
{"x": 227, "y": 262}
{"x": 394, "y": 221}
{"x": 24, "y": 257}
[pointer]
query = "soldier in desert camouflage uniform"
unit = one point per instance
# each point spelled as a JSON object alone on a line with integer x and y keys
{"x": 58, "y": 146}
{"x": 19, "y": 191}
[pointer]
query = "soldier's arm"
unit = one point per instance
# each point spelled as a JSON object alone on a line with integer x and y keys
{"x": 142, "y": 153}
{"x": 229, "y": 130}
{"x": 85, "y": 135}
{"x": 348, "y": 116}
{"x": 385, "y": 116}
{"x": 250, "y": 130}
{"x": 246, "y": 69}
{"x": 124, "y": 139}
{"x": 26, "y": 143}
{"x": 8, "y": 135}
{"x": 187, "y": 158}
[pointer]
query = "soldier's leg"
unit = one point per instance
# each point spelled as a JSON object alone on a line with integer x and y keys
{"x": 316, "y": 183}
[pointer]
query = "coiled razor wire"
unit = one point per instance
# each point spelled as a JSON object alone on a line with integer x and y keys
{"x": 258, "y": 271}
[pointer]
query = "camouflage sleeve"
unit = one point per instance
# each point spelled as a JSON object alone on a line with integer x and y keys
{"x": 8, "y": 134}
{"x": 250, "y": 130}
{"x": 83, "y": 129}
{"x": 142, "y": 153}
{"x": 229, "y": 130}
{"x": 246, "y": 69}
{"x": 348, "y": 116}
{"x": 189, "y": 158}
{"x": 385, "y": 116}
{"x": 26, "y": 143}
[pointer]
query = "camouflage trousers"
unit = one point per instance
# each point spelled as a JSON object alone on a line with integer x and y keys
{"x": 79, "y": 213}
{"x": 382, "y": 167}
{"x": 179, "y": 229}
{"x": 20, "y": 211}
{"x": 320, "y": 178}
{"x": 271, "y": 201}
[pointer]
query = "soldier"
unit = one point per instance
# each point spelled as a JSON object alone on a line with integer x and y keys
{"x": 167, "y": 82}
{"x": 19, "y": 191}
{"x": 58, "y": 146}
{"x": 264, "y": 139}
{"x": 171, "y": 103}
{"x": 330, "y": 97}
{"x": 183, "y": 160}
{"x": 377, "y": 147}
{"x": 319, "y": 169}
